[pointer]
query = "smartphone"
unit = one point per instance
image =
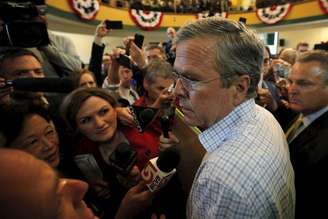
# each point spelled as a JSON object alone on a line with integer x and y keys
{"x": 138, "y": 40}
{"x": 113, "y": 24}
{"x": 124, "y": 61}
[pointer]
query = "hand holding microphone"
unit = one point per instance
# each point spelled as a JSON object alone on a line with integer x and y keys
{"x": 168, "y": 110}
{"x": 167, "y": 142}
{"x": 155, "y": 175}
{"x": 136, "y": 200}
{"x": 159, "y": 170}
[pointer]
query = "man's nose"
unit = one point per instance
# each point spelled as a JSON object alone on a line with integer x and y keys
{"x": 76, "y": 189}
{"x": 179, "y": 88}
{"x": 292, "y": 88}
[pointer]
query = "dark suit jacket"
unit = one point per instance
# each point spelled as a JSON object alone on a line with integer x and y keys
{"x": 309, "y": 156}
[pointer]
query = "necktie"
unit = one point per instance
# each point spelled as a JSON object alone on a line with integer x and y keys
{"x": 290, "y": 134}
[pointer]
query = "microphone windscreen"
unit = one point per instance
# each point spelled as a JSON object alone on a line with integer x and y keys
{"x": 143, "y": 116}
{"x": 168, "y": 159}
{"x": 58, "y": 85}
{"x": 147, "y": 115}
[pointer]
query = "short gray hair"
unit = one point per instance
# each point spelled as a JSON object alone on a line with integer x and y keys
{"x": 238, "y": 50}
{"x": 316, "y": 56}
{"x": 158, "y": 68}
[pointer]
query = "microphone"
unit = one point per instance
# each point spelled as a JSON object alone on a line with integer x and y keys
{"x": 57, "y": 85}
{"x": 159, "y": 170}
{"x": 166, "y": 119}
{"x": 168, "y": 113}
{"x": 147, "y": 115}
{"x": 143, "y": 116}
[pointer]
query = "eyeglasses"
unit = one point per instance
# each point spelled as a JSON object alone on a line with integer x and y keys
{"x": 190, "y": 84}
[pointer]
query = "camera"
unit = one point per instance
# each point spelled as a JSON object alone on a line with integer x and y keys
{"x": 22, "y": 25}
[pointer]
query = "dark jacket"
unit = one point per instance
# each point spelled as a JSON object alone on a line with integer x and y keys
{"x": 309, "y": 156}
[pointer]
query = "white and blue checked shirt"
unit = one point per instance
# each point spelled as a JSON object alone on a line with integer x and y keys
{"x": 247, "y": 172}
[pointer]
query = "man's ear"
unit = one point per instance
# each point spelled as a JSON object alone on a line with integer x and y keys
{"x": 241, "y": 86}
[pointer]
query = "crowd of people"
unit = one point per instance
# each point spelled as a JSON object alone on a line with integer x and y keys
{"x": 195, "y": 6}
{"x": 263, "y": 120}
{"x": 182, "y": 6}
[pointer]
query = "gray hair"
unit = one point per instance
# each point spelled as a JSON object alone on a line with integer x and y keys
{"x": 158, "y": 68}
{"x": 238, "y": 50}
{"x": 316, "y": 56}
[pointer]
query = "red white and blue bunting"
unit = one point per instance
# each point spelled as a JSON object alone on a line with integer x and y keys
{"x": 324, "y": 5}
{"x": 86, "y": 9}
{"x": 273, "y": 14}
{"x": 207, "y": 14}
{"x": 146, "y": 20}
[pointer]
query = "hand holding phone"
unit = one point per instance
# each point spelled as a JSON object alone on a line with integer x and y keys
{"x": 138, "y": 40}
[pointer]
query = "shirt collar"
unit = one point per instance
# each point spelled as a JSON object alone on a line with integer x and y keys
{"x": 307, "y": 120}
{"x": 212, "y": 137}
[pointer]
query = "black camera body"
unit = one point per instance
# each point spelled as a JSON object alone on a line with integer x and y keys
{"x": 22, "y": 25}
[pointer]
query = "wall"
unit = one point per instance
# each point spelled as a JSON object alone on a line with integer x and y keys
{"x": 311, "y": 35}
{"x": 83, "y": 43}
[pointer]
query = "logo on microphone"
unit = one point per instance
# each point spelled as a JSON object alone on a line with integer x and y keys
{"x": 148, "y": 173}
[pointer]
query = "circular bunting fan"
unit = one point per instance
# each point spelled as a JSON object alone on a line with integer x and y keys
{"x": 86, "y": 9}
{"x": 273, "y": 14}
{"x": 324, "y": 5}
{"x": 146, "y": 20}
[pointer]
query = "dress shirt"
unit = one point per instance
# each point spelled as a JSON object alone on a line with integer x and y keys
{"x": 247, "y": 172}
{"x": 307, "y": 120}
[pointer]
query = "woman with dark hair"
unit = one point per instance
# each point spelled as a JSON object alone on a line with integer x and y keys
{"x": 90, "y": 113}
{"x": 91, "y": 117}
{"x": 29, "y": 127}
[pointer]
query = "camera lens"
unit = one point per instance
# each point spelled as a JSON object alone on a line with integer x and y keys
{"x": 28, "y": 33}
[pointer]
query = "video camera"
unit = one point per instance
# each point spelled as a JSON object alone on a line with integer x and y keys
{"x": 22, "y": 25}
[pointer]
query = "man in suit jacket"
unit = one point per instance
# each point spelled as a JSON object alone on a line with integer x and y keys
{"x": 308, "y": 95}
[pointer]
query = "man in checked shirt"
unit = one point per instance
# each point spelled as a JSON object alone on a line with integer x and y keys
{"x": 246, "y": 172}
